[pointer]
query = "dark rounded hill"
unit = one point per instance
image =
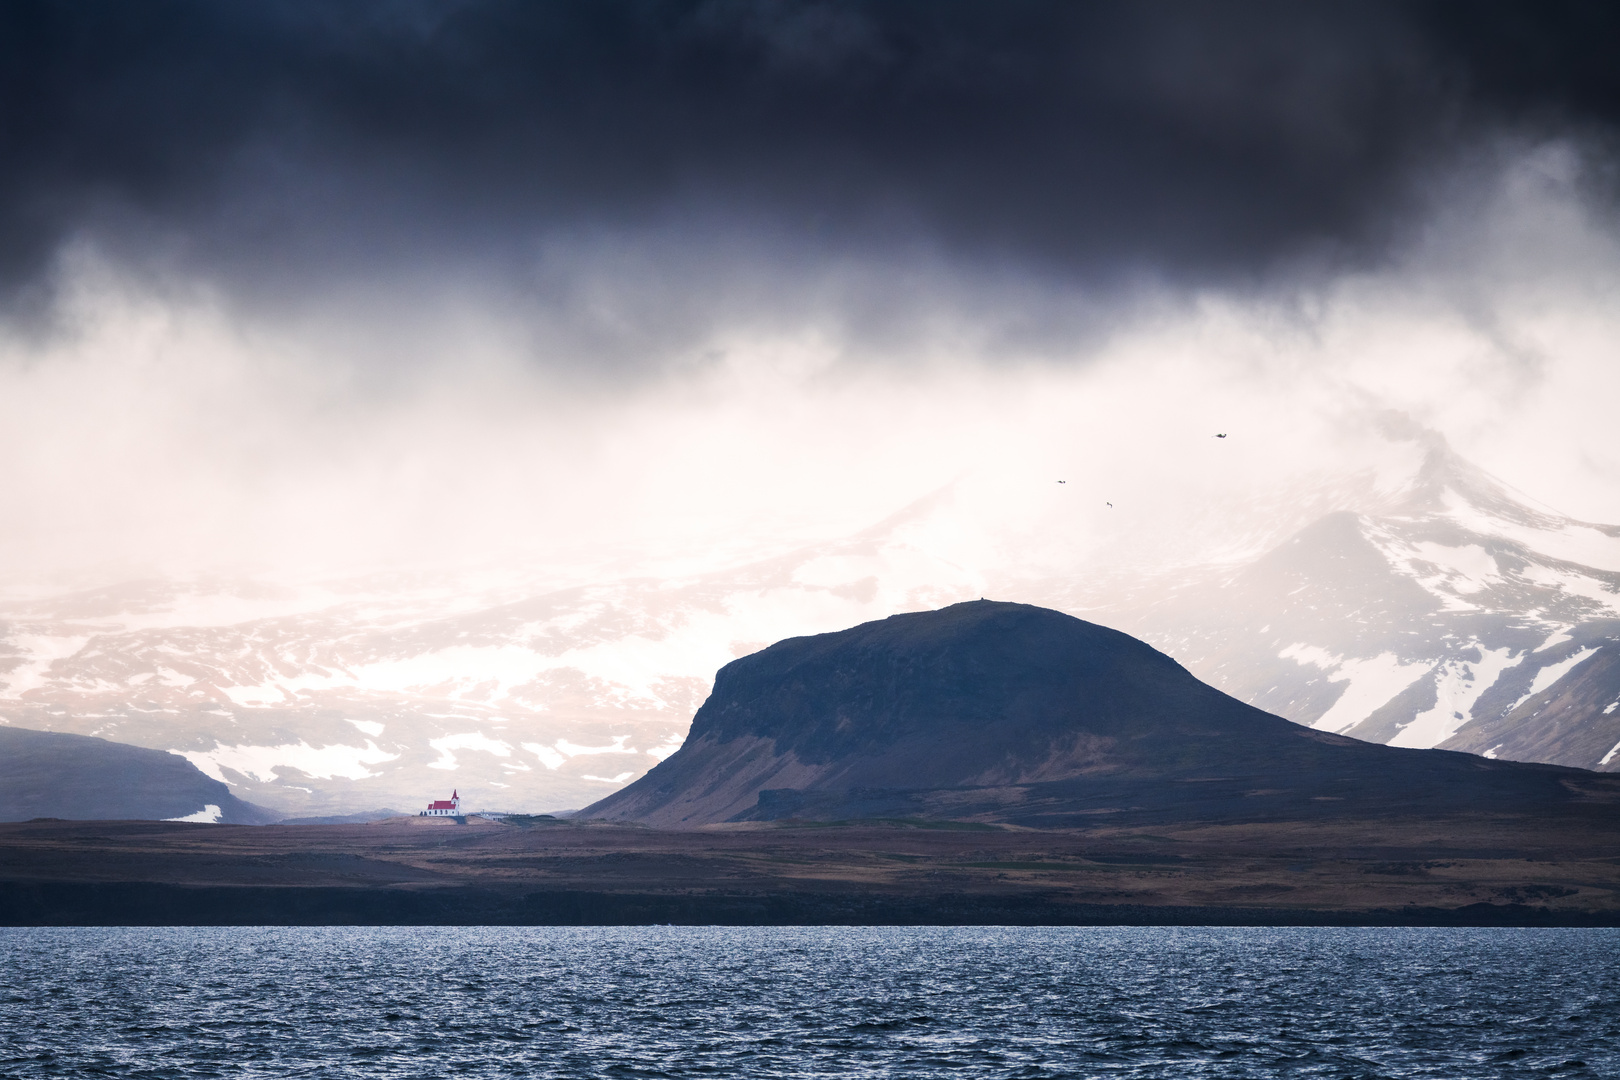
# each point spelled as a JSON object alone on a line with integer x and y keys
{"x": 79, "y": 778}
{"x": 1006, "y": 712}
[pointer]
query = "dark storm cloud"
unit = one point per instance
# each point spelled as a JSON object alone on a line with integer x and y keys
{"x": 284, "y": 145}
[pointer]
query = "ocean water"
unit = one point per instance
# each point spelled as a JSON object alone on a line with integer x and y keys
{"x": 449, "y": 1002}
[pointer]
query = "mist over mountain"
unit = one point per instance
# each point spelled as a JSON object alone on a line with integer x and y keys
{"x": 1379, "y": 604}
{"x": 1453, "y": 613}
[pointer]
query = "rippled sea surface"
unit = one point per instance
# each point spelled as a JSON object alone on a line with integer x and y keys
{"x": 809, "y": 1001}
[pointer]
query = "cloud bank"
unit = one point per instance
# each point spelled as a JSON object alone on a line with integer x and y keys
{"x": 295, "y": 286}
{"x": 272, "y": 144}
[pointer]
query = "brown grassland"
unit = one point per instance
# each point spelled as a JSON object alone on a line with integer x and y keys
{"x": 1461, "y": 869}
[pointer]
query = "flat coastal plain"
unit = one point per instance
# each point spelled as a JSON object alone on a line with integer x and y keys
{"x": 1463, "y": 870}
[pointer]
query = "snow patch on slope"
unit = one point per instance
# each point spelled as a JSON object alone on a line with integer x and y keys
{"x": 1446, "y": 572}
{"x": 548, "y": 757}
{"x": 281, "y": 691}
{"x": 208, "y": 815}
{"x": 261, "y": 762}
{"x": 43, "y": 650}
{"x": 1458, "y": 685}
{"x": 555, "y": 755}
{"x": 615, "y": 747}
{"x": 467, "y": 740}
{"x": 1570, "y": 542}
{"x": 1582, "y": 585}
{"x": 1556, "y": 639}
{"x": 1372, "y": 682}
{"x": 1465, "y": 569}
{"x": 1553, "y": 672}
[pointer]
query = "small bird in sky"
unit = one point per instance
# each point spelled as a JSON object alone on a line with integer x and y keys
{"x": 1222, "y": 435}
{"x": 1063, "y": 481}
{"x": 1110, "y": 506}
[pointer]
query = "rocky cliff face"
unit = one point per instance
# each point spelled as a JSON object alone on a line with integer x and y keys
{"x": 1005, "y": 712}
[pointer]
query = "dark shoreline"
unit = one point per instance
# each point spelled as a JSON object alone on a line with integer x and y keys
{"x": 1463, "y": 871}
{"x": 160, "y": 904}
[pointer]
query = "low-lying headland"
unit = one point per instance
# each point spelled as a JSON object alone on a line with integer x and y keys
{"x": 1468, "y": 870}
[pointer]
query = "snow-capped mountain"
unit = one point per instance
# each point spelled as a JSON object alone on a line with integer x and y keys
{"x": 1419, "y": 605}
{"x": 1451, "y": 614}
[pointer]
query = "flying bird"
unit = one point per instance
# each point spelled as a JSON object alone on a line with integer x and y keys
{"x": 1222, "y": 435}
{"x": 1063, "y": 481}
{"x": 1110, "y": 506}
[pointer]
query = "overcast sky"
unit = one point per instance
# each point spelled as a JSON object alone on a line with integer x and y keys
{"x": 310, "y": 285}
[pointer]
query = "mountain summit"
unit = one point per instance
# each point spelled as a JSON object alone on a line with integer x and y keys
{"x": 1455, "y": 615}
{"x": 1007, "y": 712}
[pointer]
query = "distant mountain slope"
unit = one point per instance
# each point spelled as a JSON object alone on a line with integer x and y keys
{"x": 1454, "y": 615}
{"x": 49, "y": 774}
{"x": 1005, "y": 712}
{"x": 1416, "y": 601}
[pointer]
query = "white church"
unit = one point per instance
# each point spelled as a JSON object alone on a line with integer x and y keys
{"x": 450, "y": 807}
